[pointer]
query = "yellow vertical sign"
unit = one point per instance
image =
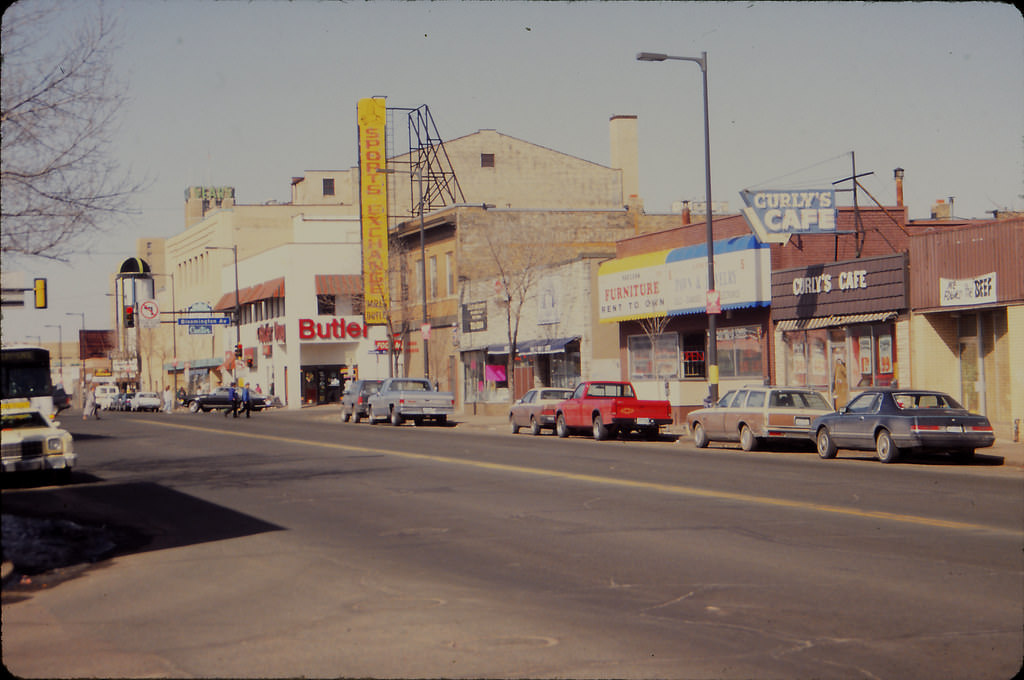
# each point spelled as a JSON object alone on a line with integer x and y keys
{"x": 373, "y": 201}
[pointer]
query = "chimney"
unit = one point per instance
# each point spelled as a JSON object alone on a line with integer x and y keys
{"x": 625, "y": 156}
{"x": 898, "y": 174}
{"x": 686, "y": 213}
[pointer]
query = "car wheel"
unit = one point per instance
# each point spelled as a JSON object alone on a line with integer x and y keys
{"x": 885, "y": 448}
{"x": 561, "y": 429}
{"x": 369, "y": 416}
{"x": 600, "y": 431}
{"x": 534, "y": 427}
{"x": 962, "y": 455}
{"x": 396, "y": 417}
{"x": 700, "y": 437}
{"x": 345, "y": 415}
{"x": 512, "y": 424}
{"x": 356, "y": 416}
{"x": 193, "y": 407}
{"x": 826, "y": 447}
{"x": 748, "y": 442}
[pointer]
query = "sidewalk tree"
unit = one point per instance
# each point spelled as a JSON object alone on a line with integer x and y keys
{"x": 60, "y": 99}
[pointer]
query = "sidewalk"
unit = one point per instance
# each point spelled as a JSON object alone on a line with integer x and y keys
{"x": 1011, "y": 452}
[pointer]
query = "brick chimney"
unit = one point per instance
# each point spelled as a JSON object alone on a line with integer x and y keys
{"x": 898, "y": 174}
{"x": 625, "y": 156}
{"x": 686, "y": 213}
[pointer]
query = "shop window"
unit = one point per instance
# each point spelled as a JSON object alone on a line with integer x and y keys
{"x": 325, "y": 305}
{"x": 660, "y": 364}
{"x": 694, "y": 364}
{"x": 740, "y": 352}
{"x": 841, "y": 359}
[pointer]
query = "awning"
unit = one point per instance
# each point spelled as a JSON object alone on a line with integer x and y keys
{"x": 831, "y": 321}
{"x": 529, "y": 347}
{"x": 261, "y": 291}
{"x": 339, "y": 284}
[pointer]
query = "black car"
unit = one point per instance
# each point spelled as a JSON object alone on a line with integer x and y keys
{"x": 356, "y": 398}
{"x": 891, "y": 420}
{"x": 61, "y": 399}
{"x": 220, "y": 399}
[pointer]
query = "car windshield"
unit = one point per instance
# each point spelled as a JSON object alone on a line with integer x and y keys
{"x": 798, "y": 399}
{"x": 14, "y": 421}
{"x": 924, "y": 400}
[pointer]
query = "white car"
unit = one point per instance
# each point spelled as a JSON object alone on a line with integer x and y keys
{"x": 31, "y": 442}
{"x": 146, "y": 401}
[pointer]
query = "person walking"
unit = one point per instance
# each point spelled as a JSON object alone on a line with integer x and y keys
{"x": 246, "y": 400}
{"x": 90, "y": 404}
{"x": 168, "y": 399}
{"x": 233, "y": 397}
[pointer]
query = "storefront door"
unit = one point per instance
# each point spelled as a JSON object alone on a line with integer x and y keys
{"x": 969, "y": 396}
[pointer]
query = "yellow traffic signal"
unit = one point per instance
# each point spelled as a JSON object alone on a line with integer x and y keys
{"x": 39, "y": 288}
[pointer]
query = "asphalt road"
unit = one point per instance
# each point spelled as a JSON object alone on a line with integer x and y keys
{"x": 286, "y": 545}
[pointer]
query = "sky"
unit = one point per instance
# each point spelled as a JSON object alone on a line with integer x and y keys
{"x": 250, "y": 94}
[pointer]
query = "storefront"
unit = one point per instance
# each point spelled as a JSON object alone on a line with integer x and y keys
{"x": 549, "y": 363}
{"x": 968, "y": 318}
{"x": 841, "y": 327}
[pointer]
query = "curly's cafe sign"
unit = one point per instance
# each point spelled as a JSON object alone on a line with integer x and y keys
{"x": 775, "y": 215}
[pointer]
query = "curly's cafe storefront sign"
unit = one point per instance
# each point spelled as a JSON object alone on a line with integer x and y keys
{"x": 671, "y": 282}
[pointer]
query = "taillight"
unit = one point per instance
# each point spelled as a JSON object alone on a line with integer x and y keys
{"x": 981, "y": 428}
{"x": 924, "y": 428}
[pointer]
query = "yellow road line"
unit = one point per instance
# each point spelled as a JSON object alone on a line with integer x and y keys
{"x": 612, "y": 481}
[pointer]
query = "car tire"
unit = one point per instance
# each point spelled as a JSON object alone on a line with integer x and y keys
{"x": 885, "y": 448}
{"x": 600, "y": 431}
{"x": 826, "y": 447}
{"x": 748, "y": 442}
{"x": 512, "y": 424}
{"x": 561, "y": 429}
{"x": 345, "y": 415}
{"x": 700, "y": 436}
{"x": 535, "y": 428}
{"x": 369, "y": 416}
{"x": 356, "y": 416}
{"x": 193, "y": 407}
{"x": 396, "y": 417}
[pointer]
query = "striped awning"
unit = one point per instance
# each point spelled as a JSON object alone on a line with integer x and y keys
{"x": 832, "y": 321}
{"x": 339, "y": 284}
{"x": 261, "y": 291}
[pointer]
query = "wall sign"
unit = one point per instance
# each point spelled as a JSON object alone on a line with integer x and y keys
{"x": 373, "y": 205}
{"x": 980, "y": 290}
{"x": 474, "y": 317}
{"x": 867, "y": 285}
{"x": 335, "y": 329}
{"x": 774, "y": 215}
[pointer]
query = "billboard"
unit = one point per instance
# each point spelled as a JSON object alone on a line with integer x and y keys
{"x": 373, "y": 204}
{"x": 775, "y": 215}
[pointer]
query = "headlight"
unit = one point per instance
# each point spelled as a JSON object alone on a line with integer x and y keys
{"x": 54, "y": 444}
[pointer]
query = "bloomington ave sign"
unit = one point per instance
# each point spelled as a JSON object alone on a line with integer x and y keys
{"x": 204, "y": 321}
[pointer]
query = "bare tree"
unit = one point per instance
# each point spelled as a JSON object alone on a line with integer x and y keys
{"x": 653, "y": 327}
{"x": 60, "y": 100}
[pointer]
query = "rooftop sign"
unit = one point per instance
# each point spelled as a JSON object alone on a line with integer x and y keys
{"x": 775, "y": 215}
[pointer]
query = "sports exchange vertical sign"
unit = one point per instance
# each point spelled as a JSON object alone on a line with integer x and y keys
{"x": 373, "y": 201}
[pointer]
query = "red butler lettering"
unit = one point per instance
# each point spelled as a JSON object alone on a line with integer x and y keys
{"x": 335, "y": 329}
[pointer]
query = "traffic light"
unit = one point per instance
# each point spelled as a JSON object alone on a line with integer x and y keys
{"x": 129, "y": 317}
{"x": 249, "y": 362}
{"x": 39, "y": 288}
{"x": 238, "y": 351}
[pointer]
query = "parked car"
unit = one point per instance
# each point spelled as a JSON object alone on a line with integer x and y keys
{"x": 32, "y": 442}
{"x": 608, "y": 408}
{"x": 754, "y": 415}
{"x": 891, "y": 420}
{"x": 401, "y": 399}
{"x": 220, "y": 399}
{"x": 356, "y": 399}
{"x": 145, "y": 401}
{"x": 121, "y": 401}
{"x": 536, "y": 409}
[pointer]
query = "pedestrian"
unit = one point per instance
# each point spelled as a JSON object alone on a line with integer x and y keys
{"x": 90, "y": 404}
{"x": 233, "y": 398}
{"x": 246, "y": 400}
{"x": 168, "y": 399}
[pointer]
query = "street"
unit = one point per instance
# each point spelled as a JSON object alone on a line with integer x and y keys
{"x": 290, "y": 545}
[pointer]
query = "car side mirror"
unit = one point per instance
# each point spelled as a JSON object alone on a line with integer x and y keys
{"x": 842, "y": 410}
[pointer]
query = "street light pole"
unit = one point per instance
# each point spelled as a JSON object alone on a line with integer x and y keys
{"x": 174, "y": 327}
{"x": 81, "y": 361}
{"x": 238, "y": 305}
{"x": 702, "y": 61}
{"x": 60, "y": 348}
{"x": 424, "y": 330}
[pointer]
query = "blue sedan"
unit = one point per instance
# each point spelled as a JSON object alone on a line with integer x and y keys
{"x": 890, "y": 421}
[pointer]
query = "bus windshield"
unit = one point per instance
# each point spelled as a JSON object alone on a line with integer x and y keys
{"x": 25, "y": 376}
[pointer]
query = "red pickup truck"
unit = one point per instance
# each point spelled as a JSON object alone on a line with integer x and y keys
{"x": 608, "y": 408}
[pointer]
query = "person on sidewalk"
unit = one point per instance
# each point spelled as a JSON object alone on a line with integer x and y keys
{"x": 246, "y": 400}
{"x": 168, "y": 399}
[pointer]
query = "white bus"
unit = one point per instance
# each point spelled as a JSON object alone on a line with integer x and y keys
{"x": 25, "y": 380}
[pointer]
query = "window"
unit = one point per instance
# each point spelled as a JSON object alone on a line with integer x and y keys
{"x": 433, "y": 276}
{"x": 727, "y": 399}
{"x": 328, "y": 186}
{"x": 449, "y": 268}
{"x": 694, "y": 365}
{"x": 740, "y": 352}
{"x": 756, "y": 399}
{"x": 325, "y": 305}
{"x": 416, "y": 288}
{"x": 487, "y": 160}
{"x": 661, "y": 364}
{"x": 864, "y": 403}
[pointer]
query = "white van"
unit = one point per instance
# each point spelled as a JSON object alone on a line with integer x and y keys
{"x": 105, "y": 396}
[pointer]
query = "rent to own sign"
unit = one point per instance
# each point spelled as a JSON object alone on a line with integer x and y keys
{"x": 373, "y": 201}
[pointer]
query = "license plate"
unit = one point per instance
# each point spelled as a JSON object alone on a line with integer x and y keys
{"x": 954, "y": 428}
{"x": 805, "y": 422}
{"x": 430, "y": 411}
{"x": 643, "y": 421}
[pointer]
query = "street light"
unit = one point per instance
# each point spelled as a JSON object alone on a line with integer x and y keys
{"x": 81, "y": 367}
{"x": 60, "y": 348}
{"x": 238, "y": 305}
{"x": 174, "y": 328}
{"x": 702, "y": 61}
